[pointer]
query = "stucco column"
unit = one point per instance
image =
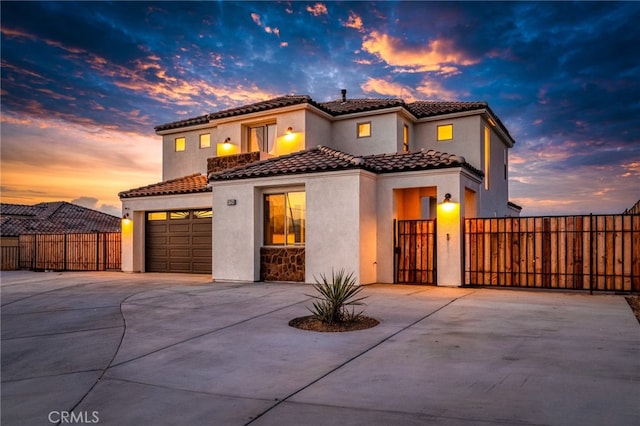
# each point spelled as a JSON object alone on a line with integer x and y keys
{"x": 449, "y": 243}
{"x": 126, "y": 245}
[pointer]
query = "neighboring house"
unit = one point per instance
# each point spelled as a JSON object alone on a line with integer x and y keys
{"x": 57, "y": 217}
{"x": 298, "y": 187}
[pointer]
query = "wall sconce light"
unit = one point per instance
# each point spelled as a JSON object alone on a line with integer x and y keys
{"x": 227, "y": 141}
{"x": 447, "y": 204}
{"x": 289, "y": 130}
{"x": 126, "y": 219}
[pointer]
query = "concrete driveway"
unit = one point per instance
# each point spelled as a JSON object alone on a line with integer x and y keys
{"x": 165, "y": 349}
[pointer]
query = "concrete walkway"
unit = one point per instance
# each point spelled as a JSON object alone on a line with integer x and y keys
{"x": 165, "y": 349}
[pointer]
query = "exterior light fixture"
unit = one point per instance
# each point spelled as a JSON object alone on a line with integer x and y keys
{"x": 126, "y": 219}
{"x": 289, "y": 130}
{"x": 227, "y": 141}
{"x": 448, "y": 205}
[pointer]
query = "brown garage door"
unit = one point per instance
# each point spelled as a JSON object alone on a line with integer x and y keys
{"x": 178, "y": 241}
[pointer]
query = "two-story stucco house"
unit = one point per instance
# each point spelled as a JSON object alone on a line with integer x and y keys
{"x": 289, "y": 188}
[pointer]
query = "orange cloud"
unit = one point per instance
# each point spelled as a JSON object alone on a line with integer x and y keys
{"x": 434, "y": 90}
{"x": 318, "y": 9}
{"x": 354, "y": 21}
{"x": 256, "y": 19}
{"x": 384, "y": 87}
{"x": 438, "y": 56}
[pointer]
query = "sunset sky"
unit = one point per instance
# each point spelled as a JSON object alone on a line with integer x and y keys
{"x": 84, "y": 84}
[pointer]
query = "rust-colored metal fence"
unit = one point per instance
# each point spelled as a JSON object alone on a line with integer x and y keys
{"x": 415, "y": 252}
{"x": 594, "y": 252}
{"x": 71, "y": 252}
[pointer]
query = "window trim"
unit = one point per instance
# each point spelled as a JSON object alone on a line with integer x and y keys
{"x": 200, "y": 140}
{"x": 363, "y": 123}
{"x": 265, "y": 217}
{"x": 265, "y": 125}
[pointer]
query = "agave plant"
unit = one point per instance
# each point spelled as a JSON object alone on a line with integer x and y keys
{"x": 335, "y": 297}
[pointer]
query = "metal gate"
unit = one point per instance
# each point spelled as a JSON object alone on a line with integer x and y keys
{"x": 415, "y": 251}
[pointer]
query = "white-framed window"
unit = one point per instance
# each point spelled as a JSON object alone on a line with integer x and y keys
{"x": 205, "y": 140}
{"x": 487, "y": 156}
{"x": 180, "y": 144}
{"x": 285, "y": 218}
{"x": 262, "y": 138}
{"x": 405, "y": 138}
{"x": 445, "y": 132}
{"x": 364, "y": 129}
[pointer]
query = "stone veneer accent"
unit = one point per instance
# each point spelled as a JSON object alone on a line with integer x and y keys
{"x": 218, "y": 164}
{"x": 282, "y": 264}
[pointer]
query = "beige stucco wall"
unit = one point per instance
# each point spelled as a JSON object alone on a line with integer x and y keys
{"x": 468, "y": 141}
{"x": 133, "y": 232}
{"x": 383, "y": 139}
{"x": 192, "y": 159}
{"x": 449, "y": 253}
{"x": 340, "y": 224}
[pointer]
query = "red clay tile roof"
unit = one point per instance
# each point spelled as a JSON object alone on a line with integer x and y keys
{"x": 185, "y": 185}
{"x": 338, "y": 107}
{"x": 54, "y": 218}
{"x": 280, "y": 102}
{"x": 430, "y": 108}
{"x": 203, "y": 119}
{"x": 322, "y": 159}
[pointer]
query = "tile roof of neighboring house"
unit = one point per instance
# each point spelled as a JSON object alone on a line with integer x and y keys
{"x": 419, "y": 109}
{"x": 57, "y": 217}
{"x": 322, "y": 159}
{"x": 185, "y": 185}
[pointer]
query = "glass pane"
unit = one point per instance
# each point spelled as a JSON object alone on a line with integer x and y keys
{"x": 180, "y": 144}
{"x": 445, "y": 132}
{"x": 157, "y": 215}
{"x": 274, "y": 215}
{"x": 364, "y": 130}
{"x": 271, "y": 139}
{"x": 296, "y": 216}
{"x": 179, "y": 215}
{"x": 203, "y": 214}
{"x": 256, "y": 139}
{"x": 205, "y": 141}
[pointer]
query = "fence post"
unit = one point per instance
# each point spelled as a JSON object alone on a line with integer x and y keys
{"x": 64, "y": 253}
{"x": 591, "y": 257}
{"x": 97, "y": 251}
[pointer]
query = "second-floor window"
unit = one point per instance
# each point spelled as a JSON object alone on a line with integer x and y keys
{"x": 205, "y": 140}
{"x": 405, "y": 138}
{"x": 364, "y": 129}
{"x": 180, "y": 144}
{"x": 445, "y": 132}
{"x": 262, "y": 138}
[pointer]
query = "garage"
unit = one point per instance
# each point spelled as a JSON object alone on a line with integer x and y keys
{"x": 178, "y": 241}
